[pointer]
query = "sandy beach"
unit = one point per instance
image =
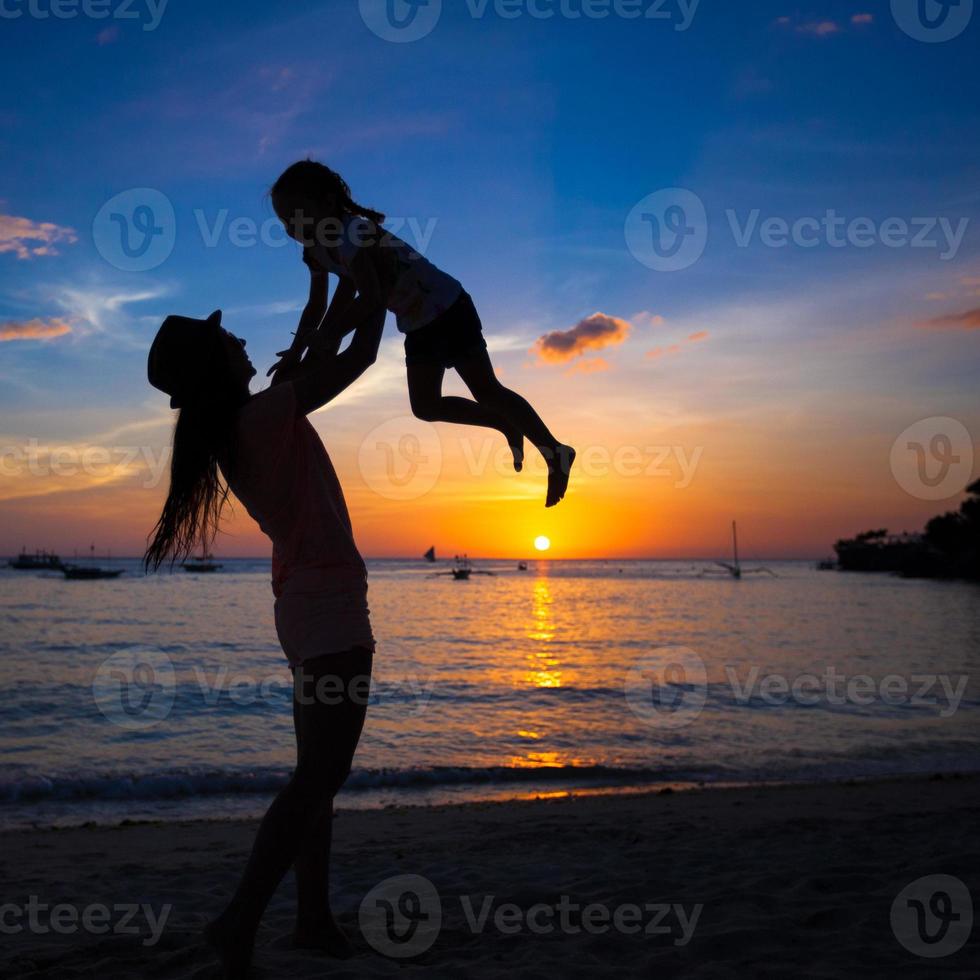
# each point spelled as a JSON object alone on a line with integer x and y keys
{"x": 768, "y": 882}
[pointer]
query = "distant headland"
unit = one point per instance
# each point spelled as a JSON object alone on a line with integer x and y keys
{"x": 949, "y": 547}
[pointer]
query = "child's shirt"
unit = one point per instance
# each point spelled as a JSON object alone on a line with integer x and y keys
{"x": 421, "y": 291}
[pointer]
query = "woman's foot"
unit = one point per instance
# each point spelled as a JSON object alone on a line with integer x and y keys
{"x": 323, "y": 936}
{"x": 232, "y": 944}
{"x": 559, "y": 470}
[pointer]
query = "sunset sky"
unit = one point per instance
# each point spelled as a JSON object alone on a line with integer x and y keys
{"x": 763, "y": 382}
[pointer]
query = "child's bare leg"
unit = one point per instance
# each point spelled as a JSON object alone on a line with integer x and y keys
{"x": 478, "y": 374}
{"x": 430, "y": 405}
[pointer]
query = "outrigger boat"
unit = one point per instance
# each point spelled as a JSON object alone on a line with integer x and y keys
{"x": 735, "y": 568}
{"x": 462, "y": 570}
{"x": 203, "y": 564}
{"x": 40, "y": 561}
{"x": 89, "y": 573}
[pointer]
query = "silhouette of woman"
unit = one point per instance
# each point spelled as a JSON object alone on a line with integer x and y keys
{"x": 273, "y": 460}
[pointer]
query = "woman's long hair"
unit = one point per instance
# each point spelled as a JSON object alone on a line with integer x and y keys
{"x": 203, "y": 442}
{"x": 316, "y": 181}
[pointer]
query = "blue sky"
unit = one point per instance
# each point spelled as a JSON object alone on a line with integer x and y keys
{"x": 522, "y": 145}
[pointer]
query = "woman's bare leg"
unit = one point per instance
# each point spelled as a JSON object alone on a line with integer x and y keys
{"x": 327, "y": 733}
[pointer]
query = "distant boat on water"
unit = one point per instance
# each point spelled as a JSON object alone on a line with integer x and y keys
{"x": 203, "y": 564}
{"x": 40, "y": 561}
{"x": 735, "y": 567}
{"x": 462, "y": 570}
{"x": 89, "y": 572}
{"x": 430, "y": 555}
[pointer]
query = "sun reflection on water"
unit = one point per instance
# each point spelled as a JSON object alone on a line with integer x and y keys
{"x": 544, "y": 667}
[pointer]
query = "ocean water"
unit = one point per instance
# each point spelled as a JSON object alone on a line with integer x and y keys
{"x": 168, "y": 696}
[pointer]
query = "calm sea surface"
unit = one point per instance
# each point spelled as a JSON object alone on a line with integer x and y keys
{"x": 168, "y": 696}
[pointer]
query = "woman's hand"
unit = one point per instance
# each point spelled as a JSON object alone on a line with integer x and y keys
{"x": 289, "y": 361}
{"x": 317, "y": 272}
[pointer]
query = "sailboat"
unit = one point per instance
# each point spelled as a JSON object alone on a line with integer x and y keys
{"x": 735, "y": 567}
{"x": 430, "y": 555}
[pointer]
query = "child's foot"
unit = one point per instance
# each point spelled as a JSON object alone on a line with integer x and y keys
{"x": 559, "y": 470}
{"x": 324, "y": 936}
{"x": 232, "y": 945}
{"x": 515, "y": 440}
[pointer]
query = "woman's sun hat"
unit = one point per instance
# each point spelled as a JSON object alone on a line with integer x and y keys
{"x": 175, "y": 364}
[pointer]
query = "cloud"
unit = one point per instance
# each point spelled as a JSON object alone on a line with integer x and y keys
{"x": 107, "y": 36}
{"x": 27, "y": 239}
{"x": 593, "y": 333}
{"x": 36, "y": 329}
{"x": 967, "y": 320}
{"x": 647, "y": 319}
{"x": 812, "y": 28}
{"x": 103, "y": 310}
{"x": 693, "y": 338}
{"x": 819, "y": 28}
{"x": 863, "y": 19}
{"x": 592, "y": 365}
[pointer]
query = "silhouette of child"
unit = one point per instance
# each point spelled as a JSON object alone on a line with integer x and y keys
{"x": 441, "y": 325}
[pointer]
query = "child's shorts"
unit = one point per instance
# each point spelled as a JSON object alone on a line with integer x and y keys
{"x": 450, "y": 338}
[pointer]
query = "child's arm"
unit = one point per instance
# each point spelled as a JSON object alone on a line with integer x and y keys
{"x": 311, "y": 319}
{"x": 356, "y": 298}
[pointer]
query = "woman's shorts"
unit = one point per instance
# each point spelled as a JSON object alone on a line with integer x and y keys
{"x": 450, "y": 338}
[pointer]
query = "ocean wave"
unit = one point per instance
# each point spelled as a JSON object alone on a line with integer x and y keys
{"x": 177, "y": 784}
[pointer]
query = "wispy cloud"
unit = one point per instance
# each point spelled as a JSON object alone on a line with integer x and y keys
{"x": 669, "y": 349}
{"x": 967, "y": 320}
{"x": 36, "y": 329}
{"x": 102, "y": 310}
{"x": 31, "y": 239}
{"x": 811, "y": 28}
{"x": 595, "y": 332}
{"x": 107, "y": 36}
{"x": 592, "y": 365}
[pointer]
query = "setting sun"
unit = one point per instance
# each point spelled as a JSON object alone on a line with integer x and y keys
{"x": 542, "y": 543}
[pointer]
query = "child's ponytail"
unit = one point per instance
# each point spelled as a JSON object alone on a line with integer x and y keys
{"x": 313, "y": 180}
